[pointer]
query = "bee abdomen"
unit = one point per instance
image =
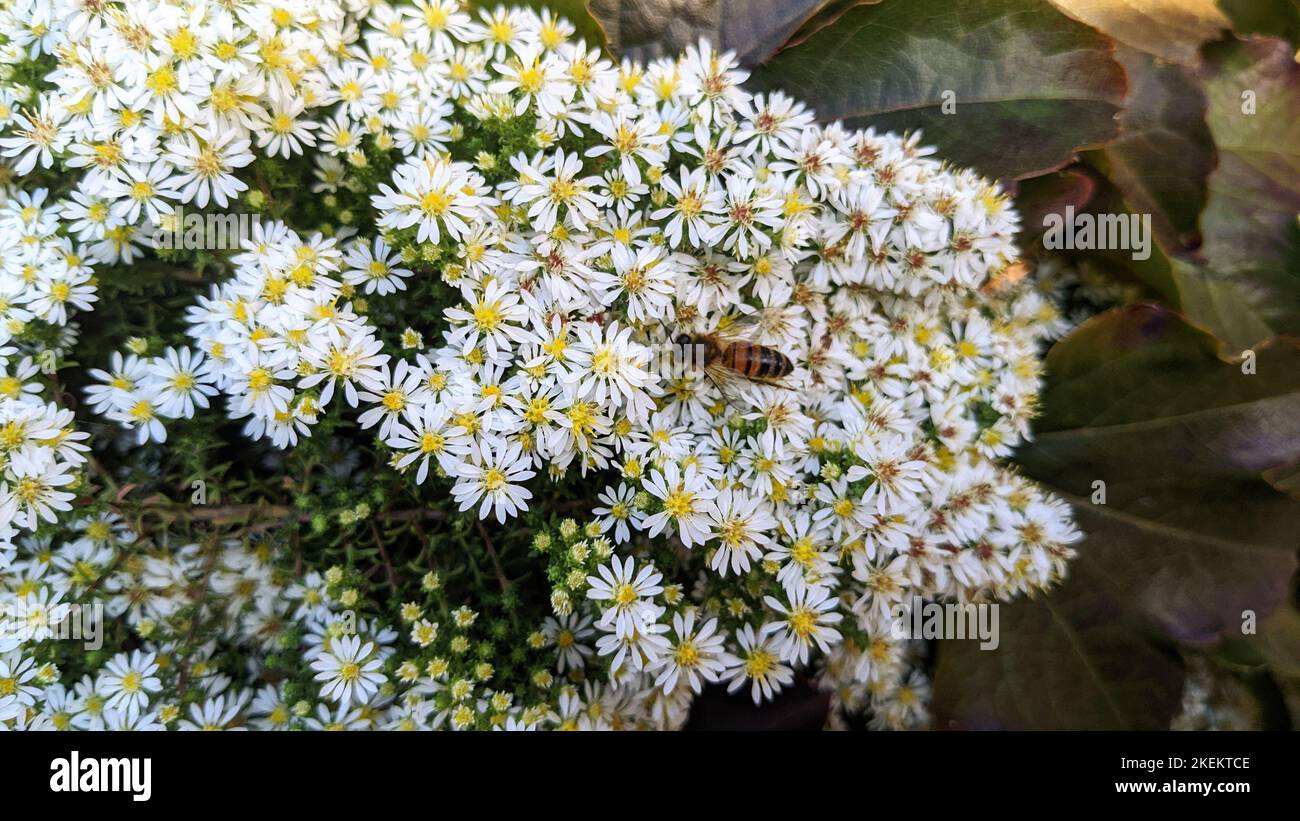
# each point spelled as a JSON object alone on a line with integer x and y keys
{"x": 756, "y": 361}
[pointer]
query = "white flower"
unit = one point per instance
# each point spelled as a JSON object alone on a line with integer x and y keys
{"x": 394, "y": 392}
{"x": 687, "y": 498}
{"x": 429, "y": 433}
{"x": 284, "y": 133}
{"x": 532, "y": 75}
{"x": 129, "y": 681}
{"x": 376, "y": 267}
{"x": 645, "y": 277}
{"x": 741, "y": 523}
{"x": 696, "y": 212}
{"x": 607, "y": 366}
{"x": 556, "y": 185}
{"x": 617, "y": 510}
{"x": 35, "y": 488}
{"x": 349, "y": 670}
{"x": 805, "y": 622}
{"x": 205, "y": 163}
{"x": 495, "y": 316}
{"x": 142, "y": 190}
{"x": 433, "y": 195}
{"x": 566, "y": 634}
{"x": 180, "y": 383}
{"x": 627, "y": 593}
{"x": 695, "y": 655}
{"x": 493, "y": 473}
{"x": 352, "y": 361}
{"x": 631, "y": 139}
{"x": 776, "y": 120}
{"x": 39, "y": 136}
{"x": 750, "y": 214}
{"x": 759, "y": 663}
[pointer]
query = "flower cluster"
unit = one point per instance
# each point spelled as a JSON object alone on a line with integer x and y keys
{"x": 155, "y": 104}
{"x": 789, "y": 357}
{"x": 44, "y": 277}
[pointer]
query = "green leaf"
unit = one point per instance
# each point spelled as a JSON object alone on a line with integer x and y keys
{"x": 1189, "y": 534}
{"x": 1276, "y": 645}
{"x": 1027, "y": 85}
{"x": 1142, "y": 378}
{"x": 1245, "y": 286}
{"x": 1163, "y": 154}
{"x": 1186, "y": 538}
{"x": 1275, "y": 18}
{"x": 754, "y": 29}
{"x": 1063, "y": 663}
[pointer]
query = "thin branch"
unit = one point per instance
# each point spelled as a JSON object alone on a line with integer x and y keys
{"x": 261, "y": 517}
{"x": 492, "y": 551}
{"x": 383, "y": 554}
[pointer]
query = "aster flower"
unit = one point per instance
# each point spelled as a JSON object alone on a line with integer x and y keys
{"x": 695, "y": 654}
{"x": 627, "y": 591}
{"x": 688, "y": 505}
{"x": 757, "y": 663}
{"x": 492, "y": 474}
{"x": 806, "y": 621}
{"x": 349, "y": 670}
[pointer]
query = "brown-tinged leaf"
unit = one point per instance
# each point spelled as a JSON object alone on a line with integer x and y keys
{"x": 1245, "y": 285}
{"x": 1275, "y": 644}
{"x": 1285, "y": 479}
{"x": 1169, "y": 29}
{"x": 1152, "y": 270}
{"x": 1164, "y": 153}
{"x": 828, "y": 15}
{"x": 1274, "y": 18}
{"x": 1050, "y": 194}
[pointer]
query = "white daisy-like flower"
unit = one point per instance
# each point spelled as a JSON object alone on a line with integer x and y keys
{"x": 349, "y": 670}
{"x": 491, "y": 477}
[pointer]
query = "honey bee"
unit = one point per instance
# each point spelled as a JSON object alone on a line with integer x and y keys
{"x": 728, "y": 358}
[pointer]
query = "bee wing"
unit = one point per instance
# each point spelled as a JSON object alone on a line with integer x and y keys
{"x": 733, "y": 387}
{"x": 737, "y": 328}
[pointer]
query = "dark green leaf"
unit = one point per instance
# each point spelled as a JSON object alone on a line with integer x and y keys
{"x": 1030, "y": 86}
{"x": 1064, "y": 663}
{"x": 1189, "y": 534}
{"x": 753, "y": 29}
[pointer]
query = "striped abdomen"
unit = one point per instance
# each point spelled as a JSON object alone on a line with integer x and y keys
{"x": 756, "y": 361}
